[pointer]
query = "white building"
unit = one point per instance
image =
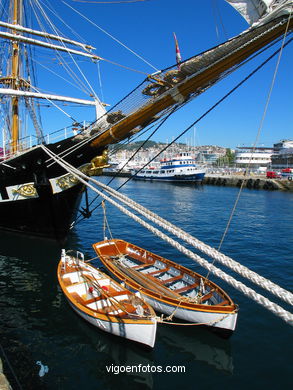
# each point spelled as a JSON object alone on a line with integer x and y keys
{"x": 254, "y": 157}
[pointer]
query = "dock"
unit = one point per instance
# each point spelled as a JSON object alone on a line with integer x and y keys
{"x": 251, "y": 181}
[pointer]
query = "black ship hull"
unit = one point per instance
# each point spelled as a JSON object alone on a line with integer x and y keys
{"x": 37, "y": 196}
{"x": 47, "y": 217}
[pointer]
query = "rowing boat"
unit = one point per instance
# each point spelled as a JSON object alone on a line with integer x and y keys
{"x": 169, "y": 287}
{"x": 105, "y": 303}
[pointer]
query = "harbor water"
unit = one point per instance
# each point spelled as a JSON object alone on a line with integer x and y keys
{"x": 37, "y": 324}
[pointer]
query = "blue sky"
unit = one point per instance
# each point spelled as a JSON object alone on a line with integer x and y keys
{"x": 147, "y": 29}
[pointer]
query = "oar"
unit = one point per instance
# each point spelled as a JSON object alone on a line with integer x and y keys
{"x": 95, "y": 283}
{"x": 144, "y": 279}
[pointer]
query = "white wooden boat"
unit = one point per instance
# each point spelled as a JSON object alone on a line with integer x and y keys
{"x": 169, "y": 287}
{"x": 105, "y": 303}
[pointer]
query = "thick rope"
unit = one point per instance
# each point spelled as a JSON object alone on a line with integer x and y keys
{"x": 273, "y": 307}
{"x": 211, "y": 252}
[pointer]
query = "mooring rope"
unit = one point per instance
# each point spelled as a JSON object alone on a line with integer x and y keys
{"x": 273, "y": 288}
{"x": 265, "y": 302}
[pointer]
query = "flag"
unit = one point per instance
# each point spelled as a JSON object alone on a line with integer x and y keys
{"x": 178, "y": 55}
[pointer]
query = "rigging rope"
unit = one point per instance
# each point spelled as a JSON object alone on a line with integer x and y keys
{"x": 111, "y": 36}
{"x": 273, "y": 307}
{"x": 257, "y": 136}
{"x": 195, "y": 122}
{"x": 95, "y": 136}
{"x": 69, "y": 68}
{"x": 211, "y": 252}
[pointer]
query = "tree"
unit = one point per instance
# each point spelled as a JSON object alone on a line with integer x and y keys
{"x": 227, "y": 159}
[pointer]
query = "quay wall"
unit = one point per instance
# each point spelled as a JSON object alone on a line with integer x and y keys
{"x": 256, "y": 182}
{"x": 4, "y": 384}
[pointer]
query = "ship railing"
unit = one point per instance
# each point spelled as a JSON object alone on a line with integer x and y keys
{"x": 32, "y": 140}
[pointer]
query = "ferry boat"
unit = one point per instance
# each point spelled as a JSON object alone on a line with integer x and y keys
{"x": 181, "y": 168}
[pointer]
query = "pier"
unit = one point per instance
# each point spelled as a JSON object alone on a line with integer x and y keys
{"x": 258, "y": 182}
{"x": 253, "y": 182}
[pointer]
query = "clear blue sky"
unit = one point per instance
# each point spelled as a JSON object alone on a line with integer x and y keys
{"x": 147, "y": 28}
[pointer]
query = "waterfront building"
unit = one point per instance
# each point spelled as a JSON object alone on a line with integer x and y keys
{"x": 283, "y": 155}
{"x": 210, "y": 156}
{"x": 255, "y": 157}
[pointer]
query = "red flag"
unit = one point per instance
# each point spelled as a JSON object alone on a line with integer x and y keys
{"x": 178, "y": 55}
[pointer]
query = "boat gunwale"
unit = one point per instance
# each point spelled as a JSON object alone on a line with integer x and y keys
{"x": 231, "y": 308}
{"x": 98, "y": 314}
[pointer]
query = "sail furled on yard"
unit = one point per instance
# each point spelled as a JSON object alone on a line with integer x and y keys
{"x": 261, "y": 11}
{"x": 174, "y": 87}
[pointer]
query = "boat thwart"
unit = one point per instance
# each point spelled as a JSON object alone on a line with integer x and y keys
{"x": 169, "y": 287}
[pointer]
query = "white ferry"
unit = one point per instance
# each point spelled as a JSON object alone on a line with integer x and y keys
{"x": 181, "y": 168}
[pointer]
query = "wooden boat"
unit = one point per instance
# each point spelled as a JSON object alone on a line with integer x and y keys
{"x": 105, "y": 303}
{"x": 169, "y": 287}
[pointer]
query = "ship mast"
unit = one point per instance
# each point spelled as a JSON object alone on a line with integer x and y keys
{"x": 15, "y": 78}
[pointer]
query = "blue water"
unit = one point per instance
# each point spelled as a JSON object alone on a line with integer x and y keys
{"x": 38, "y": 325}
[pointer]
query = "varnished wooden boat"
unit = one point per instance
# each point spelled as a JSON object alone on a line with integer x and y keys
{"x": 105, "y": 303}
{"x": 169, "y": 287}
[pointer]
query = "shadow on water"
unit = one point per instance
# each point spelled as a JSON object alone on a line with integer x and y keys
{"x": 197, "y": 344}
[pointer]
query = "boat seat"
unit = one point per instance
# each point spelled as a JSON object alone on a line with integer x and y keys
{"x": 186, "y": 288}
{"x": 207, "y": 296}
{"x": 116, "y": 294}
{"x": 159, "y": 271}
{"x": 173, "y": 279}
{"x": 93, "y": 299}
{"x": 77, "y": 298}
{"x": 140, "y": 266}
{"x": 66, "y": 280}
{"x": 223, "y": 303}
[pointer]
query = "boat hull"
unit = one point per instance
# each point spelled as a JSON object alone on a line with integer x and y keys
{"x": 104, "y": 303}
{"x": 217, "y": 310}
{"x": 225, "y": 321}
{"x": 141, "y": 333}
{"x": 47, "y": 216}
{"x": 175, "y": 179}
{"x": 37, "y": 196}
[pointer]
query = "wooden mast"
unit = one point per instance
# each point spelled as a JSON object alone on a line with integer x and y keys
{"x": 15, "y": 79}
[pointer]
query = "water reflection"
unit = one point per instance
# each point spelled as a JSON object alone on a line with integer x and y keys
{"x": 197, "y": 344}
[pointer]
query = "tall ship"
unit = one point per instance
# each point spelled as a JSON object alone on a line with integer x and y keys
{"x": 38, "y": 196}
{"x": 181, "y": 168}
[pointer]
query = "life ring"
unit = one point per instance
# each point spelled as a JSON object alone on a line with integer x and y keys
{"x": 174, "y": 77}
{"x": 154, "y": 89}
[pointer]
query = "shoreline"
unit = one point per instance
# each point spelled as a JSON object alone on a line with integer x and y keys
{"x": 252, "y": 181}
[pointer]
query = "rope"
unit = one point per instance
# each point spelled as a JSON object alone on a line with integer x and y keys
{"x": 66, "y": 66}
{"x": 170, "y": 317}
{"x": 273, "y": 307}
{"x": 162, "y": 321}
{"x": 94, "y": 136}
{"x": 260, "y": 127}
{"x": 211, "y": 252}
{"x": 111, "y": 36}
